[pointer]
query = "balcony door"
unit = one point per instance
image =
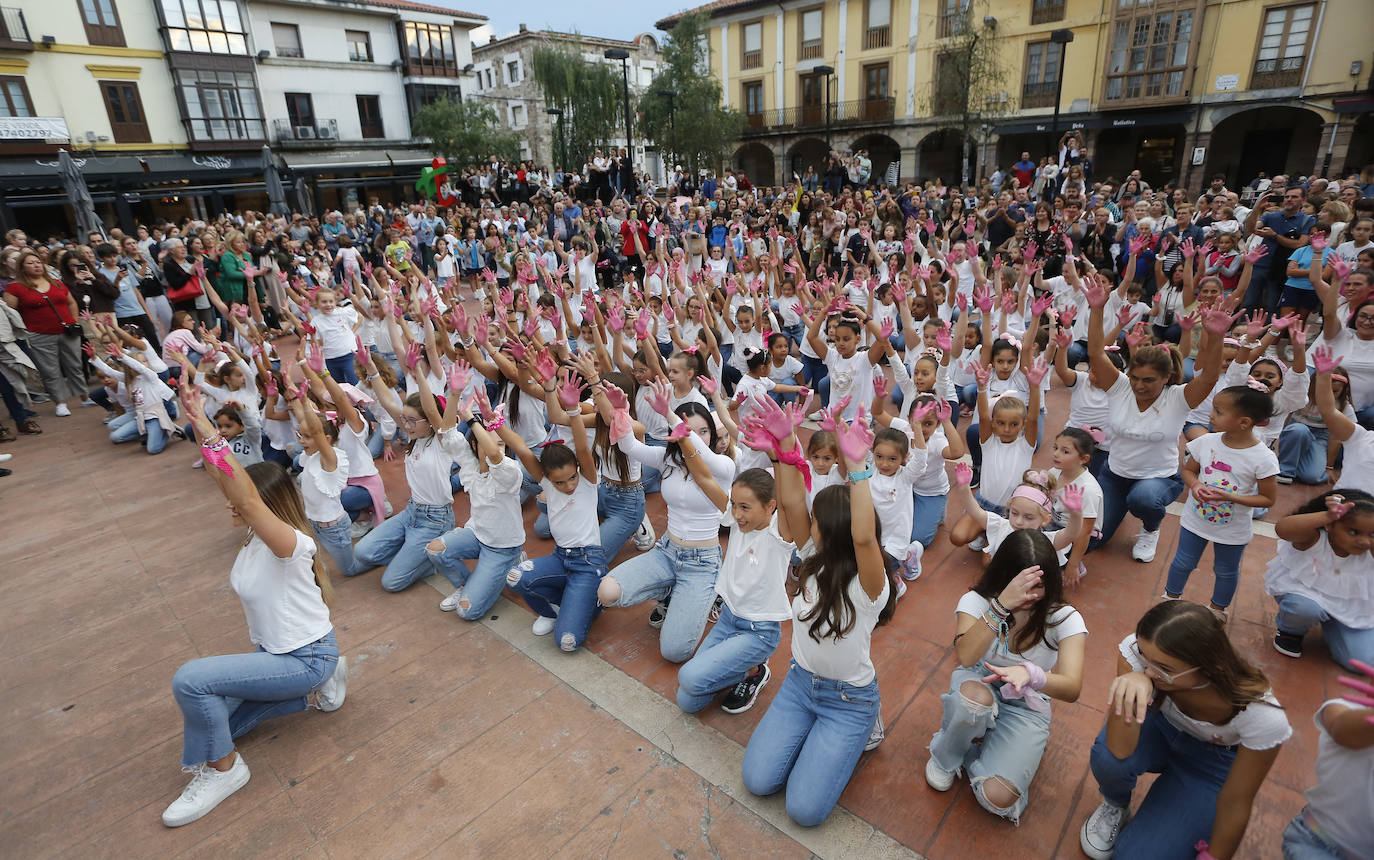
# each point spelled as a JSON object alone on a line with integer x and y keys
{"x": 813, "y": 99}
{"x": 877, "y": 92}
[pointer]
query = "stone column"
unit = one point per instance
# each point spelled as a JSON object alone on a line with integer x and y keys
{"x": 1345, "y": 130}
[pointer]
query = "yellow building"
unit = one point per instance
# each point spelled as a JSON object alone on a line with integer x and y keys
{"x": 1177, "y": 88}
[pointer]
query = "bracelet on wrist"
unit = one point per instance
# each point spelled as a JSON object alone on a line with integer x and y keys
{"x": 999, "y": 608}
{"x": 855, "y": 477}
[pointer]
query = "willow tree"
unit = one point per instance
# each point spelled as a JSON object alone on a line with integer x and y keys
{"x": 588, "y": 93}
{"x": 691, "y": 124}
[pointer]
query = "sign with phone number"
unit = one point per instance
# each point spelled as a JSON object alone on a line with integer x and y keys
{"x": 34, "y": 128}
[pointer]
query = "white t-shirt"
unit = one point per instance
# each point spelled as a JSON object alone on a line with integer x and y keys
{"x": 320, "y": 490}
{"x": 1342, "y": 801}
{"x": 281, "y": 601}
{"x": 1261, "y": 725}
{"x": 494, "y": 497}
{"x": 1358, "y": 360}
{"x": 1343, "y": 586}
{"x": 1357, "y": 467}
{"x": 894, "y": 505}
{"x": 933, "y": 480}
{"x": 1092, "y": 498}
{"x": 1089, "y": 406}
{"x": 1232, "y": 470}
{"x": 336, "y": 330}
{"x": 753, "y": 574}
{"x": 845, "y": 659}
{"x": 786, "y": 373}
{"x": 354, "y": 444}
{"x": 819, "y": 481}
{"x": 691, "y": 513}
{"x": 999, "y": 528}
{"x": 1003, "y": 465}
{"x": 1145, "y": 444}
{"x": 850, "y": 377}
{"x": 572, "y": 516}
{"x": 1061, "y": 624}
{"x": 428, "y": 466}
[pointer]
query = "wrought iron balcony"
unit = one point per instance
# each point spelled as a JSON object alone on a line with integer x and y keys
{"x": 14, "y": 30}
{"x": 808, "y": 117}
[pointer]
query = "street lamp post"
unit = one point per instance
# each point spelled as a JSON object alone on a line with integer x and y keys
{"x": 624, "y": 57}
{"x": 671, "y": 96}
{"x": 1062, "y": 38}
{"x": 562, "y": 144}
{"x": 827, "y": 71}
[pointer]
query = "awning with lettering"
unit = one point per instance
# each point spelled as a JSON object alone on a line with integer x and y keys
{"x": 41, "y": 171}
{"x": 1079, "y": 121}
{"x": 355, "y": 159}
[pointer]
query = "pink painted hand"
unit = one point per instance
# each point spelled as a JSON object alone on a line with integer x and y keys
{"x": 963, "y": 474}
{"x": 855, "y": 439}
{"x": 1324, "y": 360}
{"x": 1071, "y": 497}
{"x": 943, "y": 338}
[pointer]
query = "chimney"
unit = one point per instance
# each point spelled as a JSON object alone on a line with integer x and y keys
{"x": 491, "y": 40}
{"x": 522, "y": 28}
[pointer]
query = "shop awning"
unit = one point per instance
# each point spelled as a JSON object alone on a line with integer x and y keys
{"x": 1079, "y": 121}
{"x": 357, "y": 159}
{"x": 41, "y": 172}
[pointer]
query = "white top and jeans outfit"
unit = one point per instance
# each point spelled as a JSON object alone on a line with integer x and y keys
{"x": 1142, "y": 475}
{"x": 686, "y": 559}
{"x": 1013, "y": 731}
{"x": 816, "y": 728}
{"x": 296, "y": 653}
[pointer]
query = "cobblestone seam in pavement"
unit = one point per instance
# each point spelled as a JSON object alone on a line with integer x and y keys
{"x": 707, "y": 752}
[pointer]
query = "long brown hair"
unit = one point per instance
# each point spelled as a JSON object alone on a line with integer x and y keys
{"x": 1024, "y": 548}
{"x": 1191, "y": 634}
{"x": 834, "y": 566}
{"x": 22, "y": 277}
{"x": 283, "y": 498}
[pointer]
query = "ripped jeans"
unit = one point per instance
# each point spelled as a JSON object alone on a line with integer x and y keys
{"x": 1013, "y": 740}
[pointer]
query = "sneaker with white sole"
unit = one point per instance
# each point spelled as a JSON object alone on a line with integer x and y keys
{"x": 979, "y": 543}
{"x": 658, "y": 614}
{"x": 1284, "y": 479}
{"x": 937, "y": 777}
{"x": 207, "y": 789}
{"x": 1099, "y": 832}
{"x": 746, "y": 692}
{"x": 387, "y": 507}
{"x": 876, "y": 734}
{"x": 1145, "y": 545}
{"x": 198, "y": 464}
{"x": 911, "y": 565}
{"x": 63, "y": 411}
{"x": 644, "y": 536}
{"x": 450, "y": 603}
{"x": 331, "y": 694}
{"x": 360, "y": 528}
{"x": 543, "y": 626}
{"x": 900, "y": 585}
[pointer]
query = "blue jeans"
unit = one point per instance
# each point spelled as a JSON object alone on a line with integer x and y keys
{"x": 334, "y": 537}
{"x": 968, "y": 394}
{"x": 689, "y": 575}
{"x": 568, "y": 579}
{"x": 813, "y": 371}
{"x": 1147, "y": 498}
{"x": 342, "y": 369}
{"x": 928, "y": 513}
{"x": 399, "y": 543}
{"x": 1301, "y": 842}
{"x": 1013, "y": 739}
{"x": 1302, "y": 453}
{"x": 727, "y": 655}
{"x": 1225, "y": 564}
{"x": 125, "y": 429}
{"x": 1365, "y": 417}
{"x": 1078, "y": 352}
{"x": 795, "y": 333}
{"x": 482, "y": 584}
{"x": 225, "y": 697}
{"x": 1180, "y": 806}
{"x": 355, "y": 500}
{"x": 809, "y": 741}
{"x": 1298, "y": 614}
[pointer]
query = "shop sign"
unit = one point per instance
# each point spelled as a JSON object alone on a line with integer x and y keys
{"x": 34, "y": 128}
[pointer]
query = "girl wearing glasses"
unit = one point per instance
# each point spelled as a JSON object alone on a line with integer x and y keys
{"x": 1184, "y": 705}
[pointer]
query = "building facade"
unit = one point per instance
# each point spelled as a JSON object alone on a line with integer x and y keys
{"x": 502, "y": 78}
{"x": 1178, "y": 88}
{"x": 167, "y": 104}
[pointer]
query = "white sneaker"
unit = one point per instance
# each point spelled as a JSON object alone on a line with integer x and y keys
{"x": 5, "y": 458}
{"x": 207, "y": 789}
{"x": 387, "y": 507}
{"x": 450, "y": 603}
{"x": 198, "y": 464}
{"x": 1145, "y": 545}
{"x": 911, "y": 566}
{"x": 901, "y": 588}
{"x": 937, "y": 777}
{"x": 876, "y": 734}
{"x": 543, "y": 626}
{"x": 1098, "y": 836}
{"x": 89, "y": 402}
{"x": 979, "y": 544}
{"x": 331, "y": 695}
{"x": 62, "y": 412}
{"x": 360, "y": 528}
{"x": 644, "y": 536}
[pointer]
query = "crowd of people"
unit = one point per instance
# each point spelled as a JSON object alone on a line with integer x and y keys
{"x": 817, "y": 373}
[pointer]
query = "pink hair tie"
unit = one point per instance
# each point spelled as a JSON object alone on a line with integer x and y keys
{"x": 1095, "y": 432}
{"x": 795, "y": 457}
{"x": 692, "y": 350}
{"x": 1009, "y": 337}
{"x": 1254, "y": 383}
{"x": 1337, "y": 377}
{"x": 1116, "y": 347}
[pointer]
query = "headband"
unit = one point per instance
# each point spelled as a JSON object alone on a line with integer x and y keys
{"x": 1034, "y": 494}
{"x": 1230, "y": 341}
{"x": 1337, "y": 377}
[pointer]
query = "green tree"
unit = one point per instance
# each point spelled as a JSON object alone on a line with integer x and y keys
{"x": 969, "y": 90}
{"x": 691, "y": 127}
{"x": 464, "y": 132}
{"x": 588, "y": 93}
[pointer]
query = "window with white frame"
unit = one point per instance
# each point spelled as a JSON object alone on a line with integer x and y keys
{"x": 517, "y": 116}
{"x": 513, "y": 71}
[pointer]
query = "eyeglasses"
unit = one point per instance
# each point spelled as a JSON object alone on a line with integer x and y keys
{"x": 1154, "y": 667}
{"x": 410, "y": 422}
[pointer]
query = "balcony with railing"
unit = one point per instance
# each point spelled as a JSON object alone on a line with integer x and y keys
{"x": 1038, "y": 94}
{"x": 1277, "y": 72}
{"x": 291, "y": 136}
{"x": 1047, "y": 11}
{"x": 751, "y": 60}
{"x": 952, "y": 23}
{"x": 14, "y": 30}
{"x": 811, "y": 50}
{"x": 878, "y": 37}
{"x": 812, "y": 117}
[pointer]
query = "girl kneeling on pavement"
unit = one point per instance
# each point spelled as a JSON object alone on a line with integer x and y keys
{"x": 1186, "y": 706}
{"x": 816, "y": 728}
{"x": 1013, "y": 631}
{"x": 285, "y": 592}
{"x": 752, "y": 583}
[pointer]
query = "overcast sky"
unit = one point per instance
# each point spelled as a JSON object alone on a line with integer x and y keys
{"x": 616, "y": 19}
